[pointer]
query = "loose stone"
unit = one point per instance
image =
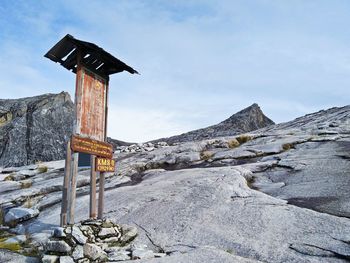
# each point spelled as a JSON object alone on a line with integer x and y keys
{"x": 78, "y": 235}
{"x": 58, "y": 246}
{"x": 94, "y": 252}
{"x": 49, "y": 259}
{"x": 66, "y": 259}
{"x": 78, "y": 252}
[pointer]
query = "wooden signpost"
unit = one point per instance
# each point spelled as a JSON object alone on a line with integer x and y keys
{"x": 92, "y": 66}
{"x": 91, "y": 146}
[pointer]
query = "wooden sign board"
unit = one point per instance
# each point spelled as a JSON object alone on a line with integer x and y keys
{"x": 91, "y": 104}
{"x": 104, "y": 165}
{"x": 90, "y": 146}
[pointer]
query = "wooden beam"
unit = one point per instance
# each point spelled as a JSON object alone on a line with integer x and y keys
{"x": 101, "y": 189}
{"x": 101, "y": 193}
{"x": 66, "y": 185}
{"x": 72, "y": 195}
{"x": 93, "y": 212}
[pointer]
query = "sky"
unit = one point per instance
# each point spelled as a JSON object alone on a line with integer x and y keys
{"x": 200, "y": 61}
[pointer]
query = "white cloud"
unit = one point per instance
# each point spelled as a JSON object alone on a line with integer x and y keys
{"x": 141, "y": 125}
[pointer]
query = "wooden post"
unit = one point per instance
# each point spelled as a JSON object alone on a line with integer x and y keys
{"x": 72, "y": 193}
{"x": 93, "y": 213}
{"x": 101, "y": 188}
{"x": 66, "y": 185}
{"x": 75, "y": 156}
{"x": 101, "y": 193}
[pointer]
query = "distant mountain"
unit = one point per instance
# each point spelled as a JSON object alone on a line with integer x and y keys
{"x": 249, "y": 119}
{"x": 37, "y": 128}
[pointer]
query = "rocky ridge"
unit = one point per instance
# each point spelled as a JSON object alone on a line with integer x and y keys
{"x": 278, "y": 194}
{"x": 37, "y": 128}
{"x": 247, "y": 120}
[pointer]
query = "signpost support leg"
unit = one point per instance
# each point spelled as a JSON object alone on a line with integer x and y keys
{"x": 66, "y": 185}
{"x": 93, "y": 213}
{"x": 73, "y": 182}
{"x": 101, "y": 191}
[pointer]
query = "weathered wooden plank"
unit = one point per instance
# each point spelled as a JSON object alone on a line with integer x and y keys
{"x": 102, "y": 175}
{"x": 90, "y": 146}
{"x": 72, "y": 195}
{"x": 101, "y": 194}
{"x": 71, "y": 60}
{"x": 92, "y": 116}
{"x": 93, "y": 212}
{"x": 66, "y": 186}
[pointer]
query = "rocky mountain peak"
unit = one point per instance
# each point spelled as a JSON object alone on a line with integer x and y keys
{"x": 252, "y": 113}
{"x": 246, "y": 120}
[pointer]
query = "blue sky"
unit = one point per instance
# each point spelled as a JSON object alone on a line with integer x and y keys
{"x": 200, "y": 61}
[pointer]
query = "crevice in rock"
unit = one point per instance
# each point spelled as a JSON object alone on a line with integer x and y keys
{"x": 336, "y": 255}
{"x": 340, "y": 240}
{"x": 345, "y": 157}
{"x": 29, "y": 123}
{"x": 148, "y": 235}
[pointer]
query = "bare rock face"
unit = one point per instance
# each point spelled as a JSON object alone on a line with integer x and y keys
{"x": 35, "y": 129}
{"x": 278, "y": 194}
{"x": 246, "y": 120}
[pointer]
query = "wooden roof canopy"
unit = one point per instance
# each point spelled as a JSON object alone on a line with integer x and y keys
{"x": 93, "y": 57}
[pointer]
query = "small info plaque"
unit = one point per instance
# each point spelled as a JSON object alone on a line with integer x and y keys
{"x": 105, "y": 165}
{"x": 90, "y": 146}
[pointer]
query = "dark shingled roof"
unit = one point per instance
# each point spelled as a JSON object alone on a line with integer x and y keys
{"x": 93, "y": 57}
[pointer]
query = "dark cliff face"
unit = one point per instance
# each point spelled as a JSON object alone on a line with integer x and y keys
{"x": 246, "y": 120}
{"x": 35, "y": 129}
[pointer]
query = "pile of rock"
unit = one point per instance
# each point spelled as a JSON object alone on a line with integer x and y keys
{"x": 94, "y": 241}
{"x": 140, "y": 147}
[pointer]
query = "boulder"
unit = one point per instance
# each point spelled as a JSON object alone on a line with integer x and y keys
{"x": 58, "y": 246}
{"x": 94, "y": 252}
{"x": 78, "y": 252}
{"x": 66, "y": 259}
{"x": 78, "y": 235}
{"x": 16, "y": 239}
{"x": 50, "y": 259}
{"x": 129, "y": 233}
{"x": 107, "y": 232}
{"x": 59, "y": 232}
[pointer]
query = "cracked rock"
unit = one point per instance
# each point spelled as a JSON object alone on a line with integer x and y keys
{"x": 58, "y": 246}
{"x": 78, "y": 235}
{"x": 78, "y": 252}
{"x": 19, "y": 214}
{"x": 94, "y": 252}
{"x": 66, "y": 259}
{"x": 50, "y": 259}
